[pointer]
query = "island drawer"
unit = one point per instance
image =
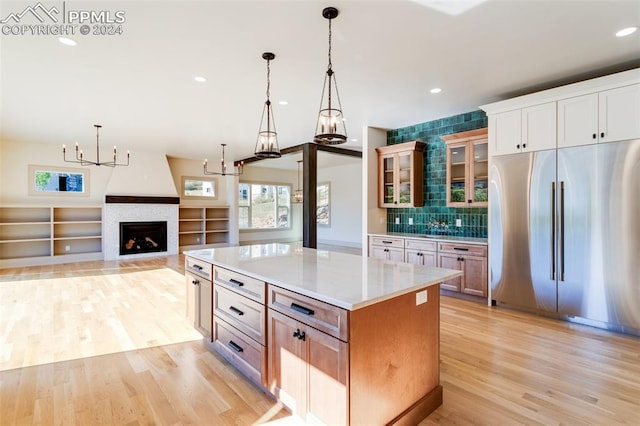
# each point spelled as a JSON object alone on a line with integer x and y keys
{"x": 250, "y": 287}
{"x": 198, "y": 267}
{"x": 420, "y": 245}
{"x": 243, "y": 313}
{"x": 387, "y": 241}
{"x": 315, "y": 313}
{"x": 464, "y": 249}
{"x": 243, "y": 352}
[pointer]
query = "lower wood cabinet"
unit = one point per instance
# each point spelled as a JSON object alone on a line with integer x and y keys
{"x": 421, "y": 252}
{"x": 472, "y": 261}
{"x": 387, "y": 248}
{"x": 308, "y": 370}
{"x": 199, "y": 292}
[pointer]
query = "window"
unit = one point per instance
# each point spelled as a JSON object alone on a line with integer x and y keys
{"x": 196, "y": 187}
{"x": 263, "y": 206}
{"x": 47, "y": 180}
{"x": 323, "y": 206}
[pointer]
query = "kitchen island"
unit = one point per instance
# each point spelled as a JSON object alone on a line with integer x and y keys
{"x": 338, "y": 338}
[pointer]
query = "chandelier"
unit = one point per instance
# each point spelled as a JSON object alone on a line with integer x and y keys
{"x": 84, "y": 162}
{"x": 267, "y": 143}
{"x": 298, "y": 195}
{"x": 330, "y": 129}
{"x": 223, "y": 167}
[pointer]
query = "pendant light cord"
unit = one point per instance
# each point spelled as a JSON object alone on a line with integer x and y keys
{"x": 268, "y": 79}
{"x": 329, "y": 68}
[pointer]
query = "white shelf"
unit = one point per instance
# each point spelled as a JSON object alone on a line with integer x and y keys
{"x": 203, "y": 226}
{"x": 32, "y": 235}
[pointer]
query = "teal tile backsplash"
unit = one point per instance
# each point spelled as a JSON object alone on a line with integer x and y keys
{"x": 435, "y": 217}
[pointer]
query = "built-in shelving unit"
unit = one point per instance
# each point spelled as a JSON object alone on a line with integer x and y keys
{"x": 203, "y": 226}
{"x": 45, "y": 235}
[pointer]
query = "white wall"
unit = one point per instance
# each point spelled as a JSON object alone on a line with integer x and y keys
{"x": 15, "y": 159}
{"x": 346, "y": 204}
{"x": 375, "y": 218}
{"x": 182, "y": 167}
{"x": 148, "y": 174}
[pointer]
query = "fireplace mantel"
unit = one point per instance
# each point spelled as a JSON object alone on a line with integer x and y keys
{"x": 140, "y": 199}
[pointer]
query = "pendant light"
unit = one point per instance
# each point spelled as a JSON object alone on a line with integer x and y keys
{"x": 223, "y": 167}
{"x": 330, "y": 129}
{"x": 267, "y": 143}
{"x": 298, "y": 195}
{"x": 84, "y": 162}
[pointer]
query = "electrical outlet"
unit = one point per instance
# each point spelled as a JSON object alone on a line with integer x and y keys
{"x": 197, "y": 239}
{"x": 458, "y": 222}
{"x": 410, "y": 221}
{"x": 421, "y": 297}
{"x": 67, "y": 248}
{"x": 397, "y": 221}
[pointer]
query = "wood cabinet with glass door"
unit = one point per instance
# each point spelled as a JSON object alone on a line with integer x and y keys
{"x": 400, "y": 175}
{"x": 467, "y": 168}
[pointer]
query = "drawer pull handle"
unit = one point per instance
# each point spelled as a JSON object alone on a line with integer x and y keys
{"x": 302, "y": 309}
{"x": 233, "y": 345}
{"x": 301, "y": 335}
{"x": 195, "y": 282}
{"x": 236, "y": 282}
{"x": 461, "y": 249}
{"x": 387, "y": 242}
{"x": 197, "y": 267}
{"x": 236, "y": 310}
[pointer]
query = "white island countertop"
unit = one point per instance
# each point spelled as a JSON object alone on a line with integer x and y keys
{"x": 344, "y": 280}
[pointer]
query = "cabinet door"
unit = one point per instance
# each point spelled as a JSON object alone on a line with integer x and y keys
{"x": 387, "y": 185}
{"x": 478, "y": 174}
{"x": 539, "y": 127}
{"x": 287, "y": 367}
{"x": 451, "y": 261}
{"x": 378, "y": 252}
{"x": 191, "y": 286}
{"x": 327, "y": 388}
{"x": 506, "y": 132}
{"x": 395, "y": 254}
{"x": 417, "y": 257}
{"x": 578, "y": 121}
{"x": 475, "y": 276}
{"x": 619, "y": 114}
{"x": 405, "y": 184}
{"x": 204, "y": 310}
{"x": 457, "y": 160}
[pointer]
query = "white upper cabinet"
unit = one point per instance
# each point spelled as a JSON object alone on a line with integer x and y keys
{"x": 539, "y": 127}
{"x": 619, "y": 114}
{"x": 578, "y": 121}
{"x": 608, "y": 116}
{"x": 505, "y": 132}
{"x": 603, "y": 109}
{"x": 523, "y": 130}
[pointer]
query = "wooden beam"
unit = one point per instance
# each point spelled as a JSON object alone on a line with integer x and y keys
{"x": 298, "y": 148}
{"x": 309, "y": 210}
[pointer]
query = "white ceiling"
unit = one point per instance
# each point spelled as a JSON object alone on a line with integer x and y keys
{"x": 386, "y": 55}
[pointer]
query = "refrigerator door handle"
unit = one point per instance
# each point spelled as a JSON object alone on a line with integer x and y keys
{"x": 561, "y": 254}
{"x": 553, "y": 231}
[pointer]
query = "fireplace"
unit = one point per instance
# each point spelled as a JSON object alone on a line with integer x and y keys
{"x": 143, "y": 237}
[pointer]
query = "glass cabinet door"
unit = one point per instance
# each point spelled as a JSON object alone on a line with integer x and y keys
{"x": 404, "y": 178}
{"x": 457, "y": 173}
{"x": 480, "y": 170}
{"x": 388, "y": 179}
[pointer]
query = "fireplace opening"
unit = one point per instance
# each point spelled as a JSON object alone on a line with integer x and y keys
{"x": 143, "y": 237}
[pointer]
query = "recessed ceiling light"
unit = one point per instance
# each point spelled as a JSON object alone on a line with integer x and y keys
{"x": 626, "y": 31}
{"x": 67, "y": 41}
{"x": 436, "y": 90}
{"x": 283, "y": 103}
{"x": 200, "y": 79}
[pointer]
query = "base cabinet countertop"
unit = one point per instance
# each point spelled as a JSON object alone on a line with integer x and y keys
{"x": 338, "y": 338}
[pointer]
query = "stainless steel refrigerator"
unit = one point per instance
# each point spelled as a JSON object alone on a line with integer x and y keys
{"x": 565, "y": 233}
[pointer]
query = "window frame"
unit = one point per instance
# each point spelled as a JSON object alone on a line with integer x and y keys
{"x": 249, "y": 207}
{"x": 198, "y": 197}
{"x": 328, "y": 185}
{"x": 86, "y": 181}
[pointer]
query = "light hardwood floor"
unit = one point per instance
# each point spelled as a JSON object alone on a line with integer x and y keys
{"x": 107, "y": 343}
